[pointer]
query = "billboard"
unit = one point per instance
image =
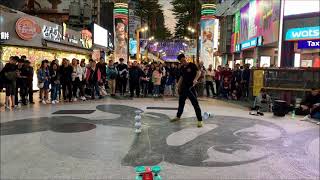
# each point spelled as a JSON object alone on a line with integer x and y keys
{"x": 100, "y": 36}
{"x": 121, "y": 22}
{"x": 260, "y": 18}
{"x": 209, "y": 40}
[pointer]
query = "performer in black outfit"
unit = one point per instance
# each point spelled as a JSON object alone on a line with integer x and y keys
{"x": 188, "y": 79}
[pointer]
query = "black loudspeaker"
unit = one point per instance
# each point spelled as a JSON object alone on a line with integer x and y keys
{"x": 280, "y": 108}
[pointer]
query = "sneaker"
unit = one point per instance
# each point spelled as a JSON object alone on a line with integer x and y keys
{"x": 200, "y": 124}
{"x": 175, "y": 119}
{"x": 56, "y": 101}
{"x": 306, "y": 118}
{"x": 75, "y": 99}
{"x": 44, "y": 102}
{"x": 83, "y": 98}
{"x": 53, "y": 102}
{"x": 7, "y": 107}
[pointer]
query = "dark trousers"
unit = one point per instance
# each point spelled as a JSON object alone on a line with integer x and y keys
{"x": 209, "y": 84}
{"x": 134, "y": 86}
{"x": 76, "y": 84}
{"x": 23, "y": 92}
{"x": 30, "y": 90}
{"x": 122, "y": 85}
{"x": 218, "y": 86}
{"x": 94, "y": 90}
{"x": 191, "y": 94}
{"x": 66, "y": 87}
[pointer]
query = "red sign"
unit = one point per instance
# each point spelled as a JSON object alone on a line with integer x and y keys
{"x": 27, "y": 28}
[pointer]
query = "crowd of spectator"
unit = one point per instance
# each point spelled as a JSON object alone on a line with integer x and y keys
{"x": 76, "y": 80}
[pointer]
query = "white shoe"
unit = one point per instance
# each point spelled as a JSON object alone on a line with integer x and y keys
{"x": 44, "y": 102}
{"x": 83, "y": 98}
{"x": 56, "y": 101}
{"x": 75, "y": 99}
{"x": 7, "y": 107}
{"x": 53, "y": 102}
{"x": 306, "y": 118}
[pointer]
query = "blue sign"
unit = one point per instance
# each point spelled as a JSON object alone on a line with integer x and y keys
{"x": 303, "y": 33}
{"x": 311, "y": 44}
{"x": 257, "y": 41}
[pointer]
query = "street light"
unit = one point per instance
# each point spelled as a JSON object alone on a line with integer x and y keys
{"x": 191, "y": 29}
{"x": 186, "y": 38}
{"x": 142, "y": 29}
{"x": 151, "y": 38}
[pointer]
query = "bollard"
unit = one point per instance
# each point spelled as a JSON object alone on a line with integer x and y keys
{"x": 138, "y": 123}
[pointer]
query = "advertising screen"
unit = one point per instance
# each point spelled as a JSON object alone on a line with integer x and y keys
{"x": 260, "y": 18}
{"x": 100, "y": 36}
{"x": 208, "y": 40}
{"x": 121, "y": 22}
{"x": 132, "y": 47}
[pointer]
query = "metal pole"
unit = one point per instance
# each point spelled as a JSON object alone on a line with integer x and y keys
{"x": 138, "y": 45}
{"x": 282, "y": 6}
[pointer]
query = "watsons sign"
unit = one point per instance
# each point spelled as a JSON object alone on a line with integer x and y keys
{"x": 303, "y": 33}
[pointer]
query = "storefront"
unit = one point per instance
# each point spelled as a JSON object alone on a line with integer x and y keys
{"x": 38, "y": 39}
{"x": 301, "y": 41}
{"x": 255, "y": 34}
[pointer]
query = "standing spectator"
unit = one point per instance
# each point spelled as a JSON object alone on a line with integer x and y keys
{"x": 55, "y": 82}
{"x": 245, "y": 79}
{"x": 123, "y": 76}
{"x": 93, "y": 78}
{"x": 44, "y": 81}
{"x": 150, "y": 72}
{"x": 21, "y": 83}
{"x": 111, "y": 77}
{"x": 200, "y": 85}
{"x": 217, "y": 79}
{"x": 145, "y": 81}
{"x": 226, "y": 88}
{"x": 135, "y": 74}
{"x": 236, "y": 75}
{"x": 10, "y": 77}
{"x": 29, "y": 82}
{"x": 76, "y": 75}
{"x": 209, "y": 81}
{"x": 173, "y": 76}
{"x": 156, "y": 79}
{"x": 66, "y": 78}
{"x": 102, "y": 66}
{"x": 163, "y": 71}
{"x": 83, "y": 82}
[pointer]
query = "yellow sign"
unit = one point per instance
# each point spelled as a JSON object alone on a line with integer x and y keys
{"x": 258, "y": 79}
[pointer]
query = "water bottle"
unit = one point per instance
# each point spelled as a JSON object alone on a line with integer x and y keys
{"x": 206, "y": 115}
{"x": 293, "y": 114}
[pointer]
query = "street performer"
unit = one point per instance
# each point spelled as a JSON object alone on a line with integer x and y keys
{"x": 186, "y": 88}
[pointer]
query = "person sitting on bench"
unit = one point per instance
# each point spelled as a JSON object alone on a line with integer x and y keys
{"x": 310, "y": 106}
{"x": 262, "y": 103}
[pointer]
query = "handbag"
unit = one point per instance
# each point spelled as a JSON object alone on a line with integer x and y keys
{"x": 40, "y": 85}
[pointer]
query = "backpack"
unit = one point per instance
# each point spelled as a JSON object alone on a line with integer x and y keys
{"x": 113, "y": 73}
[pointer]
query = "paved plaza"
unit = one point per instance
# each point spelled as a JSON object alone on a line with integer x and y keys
{"x": 96, "y": 140}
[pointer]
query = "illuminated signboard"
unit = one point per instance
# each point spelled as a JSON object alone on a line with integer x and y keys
{"x": 4, "y": 36}
{"x": 309, "y": 44}
{"x": 304, "y": 33}
{"x": 254, "y": 42}
{"x": 51, "y": 33}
